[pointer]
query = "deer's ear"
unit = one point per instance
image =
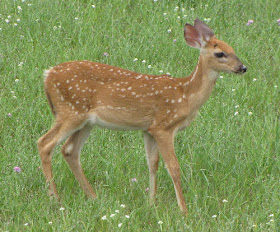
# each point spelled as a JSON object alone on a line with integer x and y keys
{"x": 205, "y": 31}
{"x": 192, "y": 36}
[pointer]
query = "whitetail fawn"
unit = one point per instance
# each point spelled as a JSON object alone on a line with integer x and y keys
{"x": 82, "y": 94}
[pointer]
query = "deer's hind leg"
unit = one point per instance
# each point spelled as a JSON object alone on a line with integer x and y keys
{"x": 71, "y": 152}
{"x": 46, "y": 144}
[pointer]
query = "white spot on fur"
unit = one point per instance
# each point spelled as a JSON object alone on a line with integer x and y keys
{"x": 69, "y": 148}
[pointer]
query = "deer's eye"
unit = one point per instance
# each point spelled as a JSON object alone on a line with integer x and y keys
{"x": 220, "y": 54}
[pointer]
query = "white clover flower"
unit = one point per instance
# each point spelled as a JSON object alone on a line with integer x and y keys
{"x": 62, "y": 209}
{"x": 117, "y": 211}
{"x": 119, "y": 225}
{"x": 254, "y": 79}
{"x": 149, "y": 66}
{"x": 127, "y": 216}
{"x": 18, "y": 20}
{"x": 236, "y": 113}
{"x": 160, "y": 222}
{"x": 135, "y": 59}
{"x": 9, "y": 17}
{"x": 112, "y": 215}
{"x": 250, "y": 113}
{"x": 122, "y": 205}
{"x": 20, "y": 64}
{"x": 169, "y": 30}
{"x": 104, "y": 217}
{"x": 233, "y": 90}
{"x": 271, "y": 220}
{"x": 178, "y": 17}
{"x": 15, "y": 24}
{"x": 160, "y": 71}
{"x": 221, "y": 77}
{"x": 19, "y": 8}
{"x": 207, "y": 20}
{"x": 50, "y": 223}
{"x": 76, "y": 18}
{"x": 275, "y": 86}
{"x": 7, "y": 20}
{"x": 16, "y": 80}
{"x": 164, "y": 14}
{"x": 143, "y": 61}
{"x": 176, "y": 8}
{"x": 214, "y": 216}
{"x": 225, "y": 201}
{"x": 26, "y": 224}
{"x": 271, "y": 215}
{"x": 93, "y": 6}
{"x": 237, "y": 106}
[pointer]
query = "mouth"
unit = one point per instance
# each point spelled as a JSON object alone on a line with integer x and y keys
{"x": 242, "y": 69}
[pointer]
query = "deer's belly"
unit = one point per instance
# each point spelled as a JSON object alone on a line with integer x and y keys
{"x": 118, "y": 122}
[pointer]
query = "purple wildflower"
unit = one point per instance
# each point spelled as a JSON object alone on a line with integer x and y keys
{"x": 106, "y": 54}
{"x": 10, "y": 115}
{"x": 250, "y": 22}
{"x": 174, "y": 41}
{"x": 147, "y": 189}
{"x": 133, "y": 180}
{"x": 17, "y": 169}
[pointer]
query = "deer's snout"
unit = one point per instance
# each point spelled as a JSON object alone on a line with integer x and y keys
{"x": 241, "y": 69}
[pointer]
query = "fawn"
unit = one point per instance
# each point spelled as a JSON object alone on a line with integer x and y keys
{"x": 82, "y": 94}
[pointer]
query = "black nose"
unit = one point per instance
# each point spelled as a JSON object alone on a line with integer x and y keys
{"x": 243, "y": 69}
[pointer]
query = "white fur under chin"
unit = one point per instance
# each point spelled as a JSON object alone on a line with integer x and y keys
{"x": 213, "y": 75}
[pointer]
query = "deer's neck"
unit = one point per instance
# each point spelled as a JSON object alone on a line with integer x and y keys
{"x": 200, "y": 84}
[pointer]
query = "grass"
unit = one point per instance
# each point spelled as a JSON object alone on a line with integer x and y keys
{"x": 229, "y": 161}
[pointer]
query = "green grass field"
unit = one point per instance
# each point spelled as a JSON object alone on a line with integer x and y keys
{"x": 229, "y": 157}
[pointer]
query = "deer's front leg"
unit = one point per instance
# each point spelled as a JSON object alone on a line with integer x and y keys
{"x": 165, "y": 142}
{"x": 152, "y": 159}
